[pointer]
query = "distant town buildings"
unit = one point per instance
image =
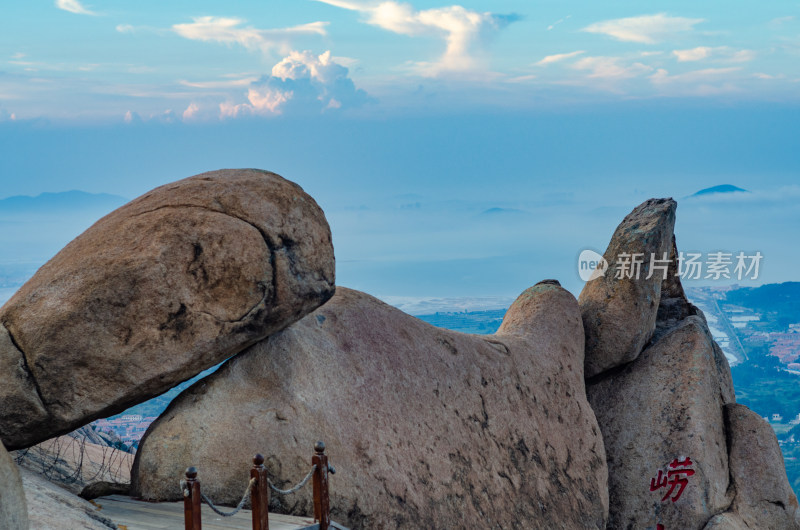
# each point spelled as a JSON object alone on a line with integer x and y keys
{"x": 129, "y": 428}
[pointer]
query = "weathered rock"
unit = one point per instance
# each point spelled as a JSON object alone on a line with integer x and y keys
{"x": 104, "y": 489}
{"x": 662, "y": 408}
{"x": 427, "y": 428}
{"x": 13, "y": 508}
{"x": 166, "y": 286}
{"x": 619, "y": 314}
{"x": 53, "y": 508}
{"x": 726, "y": 521}
{"x": 764, "y": 498}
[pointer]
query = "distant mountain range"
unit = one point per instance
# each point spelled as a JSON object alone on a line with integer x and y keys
{"x": 59, "y": 202}
{"x": 722, "y": 188}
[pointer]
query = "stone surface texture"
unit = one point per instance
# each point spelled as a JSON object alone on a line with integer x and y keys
{"x": 172, "y": 283}
{"x": 13, "y": 508}
{"x": 427, "y": 428}
{"x": 619, "y": 311}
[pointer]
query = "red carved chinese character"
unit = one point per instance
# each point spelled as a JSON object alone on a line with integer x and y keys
{"x": 660, "y": 527}
{"x": 659, "y": 482}
{"x": 674, "y": 478}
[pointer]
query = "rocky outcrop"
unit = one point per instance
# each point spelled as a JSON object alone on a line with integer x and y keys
{"x": 620, "y": 307}
{"x": 763, "y": 496}
{"x": 662, "y": 423}
{"x": 53, "y": 508}
{"x": 13, "y": 507}
{"x": 172, "y": 283}
{"x": 681, "y": 453}
{"x": 427, "y": 428}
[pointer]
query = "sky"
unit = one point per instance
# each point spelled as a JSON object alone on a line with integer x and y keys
{"x": 458, "y": 150}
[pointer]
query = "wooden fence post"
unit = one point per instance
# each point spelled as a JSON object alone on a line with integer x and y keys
{"x": 191, "y": 503}
{"x": 259, "y": 495}
{"x": 322, "y": 507}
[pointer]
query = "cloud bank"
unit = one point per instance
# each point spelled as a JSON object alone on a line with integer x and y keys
{"x": 464, "y": 31}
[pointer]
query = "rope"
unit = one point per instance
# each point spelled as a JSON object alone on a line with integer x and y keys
{"x": 296, "y": 488}
{"x": 216, "y": 510}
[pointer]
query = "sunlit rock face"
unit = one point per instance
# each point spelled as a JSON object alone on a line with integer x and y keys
{"x": 166, "y": 286}
{"x": 427, "y": 428}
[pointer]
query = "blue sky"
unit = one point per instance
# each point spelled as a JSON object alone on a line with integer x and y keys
{"x": 457, "y": 149}
{"x": 203, "y": 60}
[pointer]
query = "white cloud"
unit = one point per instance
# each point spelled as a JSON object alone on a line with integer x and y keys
{"x": 645, "y": 29}
{"x": 722, "y": 53}
{"x": 705, "y": 82}
{"x": 191, "y": 111}
{"x": 73, "y": 6}
{"x": 301, "y": 82}
{"x": 550, "y": 59}
{"x": 125, "y": 28}
{"x": 612, "y": 68}
{"x": 768, "y": 77}
{"x": 743, "y": 56}
{"x": 229, "y": 31}
{"x": 262, "y": 102}
{"x": 695, "y": 54}
{"x": 463, "y": 29}
{"x": 132, "y": 117}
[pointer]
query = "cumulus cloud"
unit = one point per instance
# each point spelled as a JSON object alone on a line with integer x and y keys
{"x": 463, "y": 30}
{"x": 73, "y": 6}
{"x": 550, "y": 59}
{"x": 645, "y": 29}
{"x": 301, "y": 82}
{"x": 230, "y": 31}
{"x": 721, "y": 53}
{"x": 191, "y": 111}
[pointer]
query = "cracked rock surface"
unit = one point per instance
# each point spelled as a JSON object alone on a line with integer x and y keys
{"x": 162, "y": 288}
{"x": 427, "y": 428}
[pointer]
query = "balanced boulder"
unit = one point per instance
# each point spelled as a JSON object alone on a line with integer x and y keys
{"x": 427, "y": 428}
{"x": 619, "y": 307}
{"x": 681, "y": 453}
{"x": 166, "y": 286}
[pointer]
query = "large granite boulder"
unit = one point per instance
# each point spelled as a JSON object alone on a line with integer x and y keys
{"x": 427, "y": 428}
{"x": 681, "y": 453}
{"x": 662, "y": 423}
{"x": 659, "y": 386}
{"x": 619, "y": 308}
{"x": 763, "y": 496}
{"x": 13, "y": 508}
{"x": 172, "y": 283}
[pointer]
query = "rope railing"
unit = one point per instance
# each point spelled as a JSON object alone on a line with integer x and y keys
{"x": 258, "y": 491}
{"x": 295, "y": 489}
